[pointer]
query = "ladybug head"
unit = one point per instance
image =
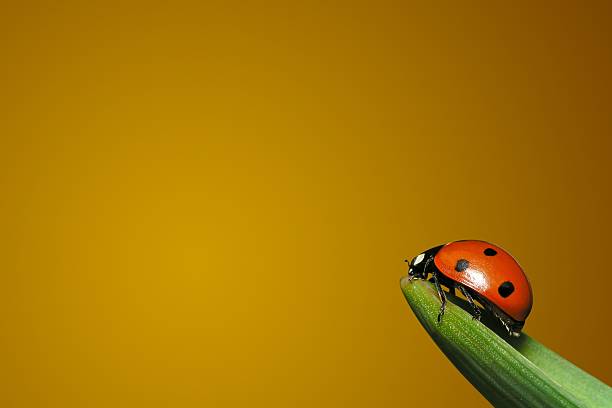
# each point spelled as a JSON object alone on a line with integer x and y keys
{"x": 422, "y": 264}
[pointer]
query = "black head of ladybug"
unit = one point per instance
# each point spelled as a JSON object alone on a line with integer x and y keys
{"x": 422, "y": 264}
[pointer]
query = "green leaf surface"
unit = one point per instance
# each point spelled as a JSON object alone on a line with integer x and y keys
{"x": 509, "y": 372}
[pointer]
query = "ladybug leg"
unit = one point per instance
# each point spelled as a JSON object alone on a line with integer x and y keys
{"x": 476, "y": 314}
{"x": 441, "y": 295}
{"x": 505, "y": 325}
{"x": 451, "y": 290}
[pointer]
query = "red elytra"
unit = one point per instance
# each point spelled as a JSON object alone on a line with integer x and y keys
{"x": 491, "y": 272}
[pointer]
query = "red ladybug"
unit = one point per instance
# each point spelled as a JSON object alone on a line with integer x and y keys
{"x": 481, "y": 271}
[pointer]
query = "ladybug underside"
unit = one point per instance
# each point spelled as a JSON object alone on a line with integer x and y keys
{"x": 513, "y": 327}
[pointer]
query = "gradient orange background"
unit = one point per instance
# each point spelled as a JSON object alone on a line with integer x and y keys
{"x": 209, "y": 204}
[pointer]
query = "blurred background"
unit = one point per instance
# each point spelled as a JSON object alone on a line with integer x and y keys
{"x": 209, "y": 203}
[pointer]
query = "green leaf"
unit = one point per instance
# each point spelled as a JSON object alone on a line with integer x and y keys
{"x": 509, "y": 372}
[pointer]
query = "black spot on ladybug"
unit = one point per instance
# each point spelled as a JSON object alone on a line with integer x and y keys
{"x": 490, "y": 252}
{"x": 506, "y": 289}
{"x": 462, "y": 265}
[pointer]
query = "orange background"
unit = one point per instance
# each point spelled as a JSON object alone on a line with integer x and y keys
{"x": 209, "y": 203}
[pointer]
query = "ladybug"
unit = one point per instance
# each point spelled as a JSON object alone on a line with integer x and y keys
{"x": 481, "y": 271}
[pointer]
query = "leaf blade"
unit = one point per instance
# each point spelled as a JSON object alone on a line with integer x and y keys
{"x": 498, "y": 369}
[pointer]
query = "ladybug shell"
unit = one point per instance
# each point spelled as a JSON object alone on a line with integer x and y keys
{"x": 487, "y": 269}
